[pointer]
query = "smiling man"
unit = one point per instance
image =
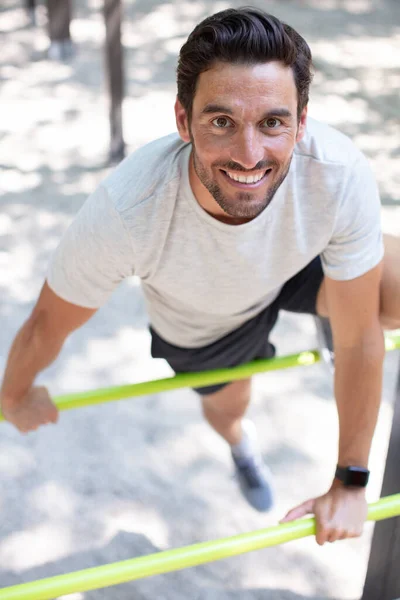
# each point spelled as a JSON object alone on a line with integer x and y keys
{"x": 228, "y": 157}
{"x": 252, "y": 209}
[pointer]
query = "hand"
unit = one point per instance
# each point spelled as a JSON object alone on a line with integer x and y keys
{"x": 339, "y": 514}
{"x": 36, "y": 408}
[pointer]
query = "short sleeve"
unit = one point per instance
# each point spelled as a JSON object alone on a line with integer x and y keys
{"x": 356, "y": 245}
{"x": 94, "y": 255}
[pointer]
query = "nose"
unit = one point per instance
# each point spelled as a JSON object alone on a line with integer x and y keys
{"x": 247, "y": 148}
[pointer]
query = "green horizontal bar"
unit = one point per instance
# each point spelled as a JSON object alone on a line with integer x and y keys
{"x": 183, "y": 380}
{"x": 204, "y": 378}
{"x": 180, "y": 558}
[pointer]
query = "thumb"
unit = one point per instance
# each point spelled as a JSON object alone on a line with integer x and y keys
{"x": 299, "y": 511}
{"x": 54, "y": 414}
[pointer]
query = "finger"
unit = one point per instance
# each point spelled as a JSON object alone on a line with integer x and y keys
{"x": 47, "y": 413}
{"x": 335, "y": 535}
{"x": 299, "y": 511}
{"x": 26, "y": 425}
{"x": 26, "y": 429}
{"x": 322, "y": 534}
{"x": 54, "y": 416}
{"x": 343, "y": 535}
{"x": 354, "y": 533}
{"x": 31, "y": 428}
{"x": 22, "y": 427}
{"x": 47, "y": 420}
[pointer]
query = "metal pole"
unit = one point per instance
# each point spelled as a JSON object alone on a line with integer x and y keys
{"x": 115, "y": 76}
{"x": 383, "y": 574}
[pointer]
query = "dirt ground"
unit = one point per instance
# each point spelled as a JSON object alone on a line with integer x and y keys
{"x": 130, "y": 478}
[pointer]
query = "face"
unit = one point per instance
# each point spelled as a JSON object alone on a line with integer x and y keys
{"x": 243, "y": 131}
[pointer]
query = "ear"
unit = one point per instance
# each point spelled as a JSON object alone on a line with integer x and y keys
{"x": 302, "y": 125}
{"x": 182, "y": 122}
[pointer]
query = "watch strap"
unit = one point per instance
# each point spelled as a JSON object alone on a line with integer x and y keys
{"x": 352, "y": 476}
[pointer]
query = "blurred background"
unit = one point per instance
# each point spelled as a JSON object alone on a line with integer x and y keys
{"x": 116, "y": 481}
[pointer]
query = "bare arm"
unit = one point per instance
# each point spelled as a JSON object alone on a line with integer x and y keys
{"x": 35, "y": 347}
{"x": 359, "y": 352}
{"x": 353, "y": 308}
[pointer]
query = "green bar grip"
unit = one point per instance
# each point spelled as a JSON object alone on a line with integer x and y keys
{"x": 180, "y": 558}
{"x": 204, "y": 378}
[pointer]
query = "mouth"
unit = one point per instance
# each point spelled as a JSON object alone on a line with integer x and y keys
{"x": 252, "y": 181}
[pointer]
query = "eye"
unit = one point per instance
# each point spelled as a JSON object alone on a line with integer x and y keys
{"x": 272, "y": 122}
{"x": 221, "y": 122}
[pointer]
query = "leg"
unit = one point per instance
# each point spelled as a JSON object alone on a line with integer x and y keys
{"x": 225, "y": 409}
{"x": 30, "y": 6}
{"x": 115, "y": 76}
{"x": 59, "y": 15}
{"x": 59, "y": 19}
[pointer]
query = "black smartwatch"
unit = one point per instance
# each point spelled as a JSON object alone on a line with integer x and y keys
{"x": 352, "y": 476}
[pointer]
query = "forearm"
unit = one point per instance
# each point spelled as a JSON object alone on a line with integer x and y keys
{"x": 32, "y": 351}
{"x": 358, "y": 391}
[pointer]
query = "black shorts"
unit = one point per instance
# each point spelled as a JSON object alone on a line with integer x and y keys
{"x": 250, "y": 341}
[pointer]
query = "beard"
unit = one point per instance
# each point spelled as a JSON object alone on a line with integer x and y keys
{"x": 244, "y": 205}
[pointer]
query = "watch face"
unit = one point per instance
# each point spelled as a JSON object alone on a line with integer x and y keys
{"x": 353, "y": 476}
{"x": 358, "y": 477}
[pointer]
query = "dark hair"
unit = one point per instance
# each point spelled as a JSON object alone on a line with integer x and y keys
{"x": 242, "y": 36}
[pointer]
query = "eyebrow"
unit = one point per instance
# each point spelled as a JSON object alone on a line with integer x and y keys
{"x": 216, "y": 108}
{"x": 219, "y": 108}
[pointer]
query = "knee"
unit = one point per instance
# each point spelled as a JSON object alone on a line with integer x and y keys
{"x": 213, "y": 408}
{"x": 231, "y": 402}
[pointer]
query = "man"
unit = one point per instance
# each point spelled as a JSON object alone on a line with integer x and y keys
{"x": 250, "y": 210}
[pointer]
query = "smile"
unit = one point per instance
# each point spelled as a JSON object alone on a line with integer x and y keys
{"x": 246, "y": 179}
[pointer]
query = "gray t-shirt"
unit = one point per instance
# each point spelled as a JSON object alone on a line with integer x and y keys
{"x": 202, "y": 278}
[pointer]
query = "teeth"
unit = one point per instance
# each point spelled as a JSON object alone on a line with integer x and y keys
{"x": 244, "y": 179}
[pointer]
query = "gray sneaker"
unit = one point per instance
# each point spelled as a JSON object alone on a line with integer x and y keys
{"x": 61, "y": 50}
{"x": 254, "y": 480}
{"x": 253, "y": 476}
{"x": 325, "y": 341}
